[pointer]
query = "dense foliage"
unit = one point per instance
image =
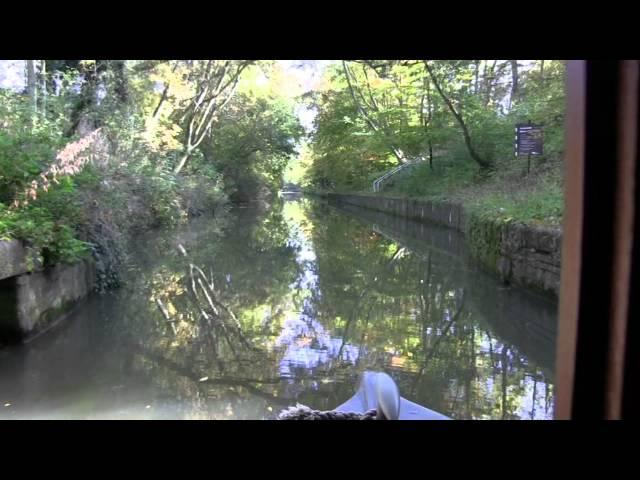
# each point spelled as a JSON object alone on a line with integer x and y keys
{"x": 93, "y": 150}
{"x": 455, "y": 118}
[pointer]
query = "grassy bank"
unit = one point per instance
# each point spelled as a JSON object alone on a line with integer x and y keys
{"x": 508, "y": 193}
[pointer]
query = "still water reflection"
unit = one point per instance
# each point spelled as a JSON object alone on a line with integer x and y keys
{"x": 263, "y": 310}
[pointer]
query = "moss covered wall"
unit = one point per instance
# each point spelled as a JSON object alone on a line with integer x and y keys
{"x": 525, "y": 255}
{"x": 33, "y": 302}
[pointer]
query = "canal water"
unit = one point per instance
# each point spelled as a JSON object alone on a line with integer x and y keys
{"x": 240, "y": 317}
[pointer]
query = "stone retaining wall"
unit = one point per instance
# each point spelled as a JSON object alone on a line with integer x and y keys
{"x": 526, "y": 255}
{"x": 32, "y": 301}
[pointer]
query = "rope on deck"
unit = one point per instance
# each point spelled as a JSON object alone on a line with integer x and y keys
{"x": 302, "y": 412}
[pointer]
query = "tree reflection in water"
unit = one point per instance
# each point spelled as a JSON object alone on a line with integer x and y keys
{"x": 291, "y": 305}
{"x": 320, "y": 297}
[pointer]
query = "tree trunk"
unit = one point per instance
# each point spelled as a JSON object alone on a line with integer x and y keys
{"x": 165, "y": 93}
{"x": 484, "y": 75}
{"x": 32, "y": 87}
{"x": 429, "y": 118}
{"x": 51, "y": 66}
{"x": 200, "y": 115}
{"x": 504, "y": 382}
{"x": 120, "y": 80}
{"x": 43, "y": 87}
{"x": 426, "y": 121}
{"x": 475, "y": 87}
{"x": 465, "y": 131}
{"x": 533, "y": 399}
{"x": 489, "y": 82}
{"x": 87, "y": 99}
{"x": 514, "y": 82}
{"x": 182, "y": 162}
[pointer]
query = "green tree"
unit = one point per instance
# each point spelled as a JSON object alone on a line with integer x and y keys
{"x": 215, "y": 83}
{"x": 251, "y": 143}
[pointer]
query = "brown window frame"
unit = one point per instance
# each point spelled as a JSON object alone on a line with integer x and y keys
{"x": 600, "y": 242}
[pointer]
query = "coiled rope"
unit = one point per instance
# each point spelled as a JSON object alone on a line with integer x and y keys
{"x": 302, "y": 412}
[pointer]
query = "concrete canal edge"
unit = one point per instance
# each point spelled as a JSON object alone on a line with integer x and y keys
{"x": 32, "y": 300}
{"x": 520, "y": 254}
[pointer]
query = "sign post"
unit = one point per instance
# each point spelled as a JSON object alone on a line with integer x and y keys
{"x": 528, "y": 141}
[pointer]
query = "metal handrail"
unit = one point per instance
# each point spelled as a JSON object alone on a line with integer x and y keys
{"x": 377, "y": 183}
